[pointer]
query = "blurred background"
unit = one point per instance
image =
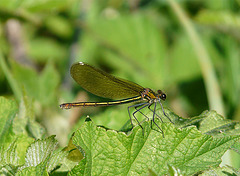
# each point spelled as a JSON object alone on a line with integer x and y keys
{"x": 188, "y": 49}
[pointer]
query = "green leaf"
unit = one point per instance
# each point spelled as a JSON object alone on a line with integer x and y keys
{"x": 223, "y": 20}
{"x": 43, "y": 6}
{"x": 25, "y": 123}
{"x": 27, "y": 79}
{"x": 40, "y": 169}
{"x": 13, "y": 145}
{"x": 48, "y": 82}
{"x": 39, "y": 151}
{"x": 227, "y": 171}
{"x": 74, "y": 154}
{"x": 9, "y": 155}
{"x": 8, "y": 110}
{"x": 63, "y": 30}
{"x": 35, "y": 129}
{"x": 36, "y": 6}
{"x": 180, "y": 61}
{"x": 43, "y": 151}
{"x": 79, "y": 169}
{"x": 41, "y": 87}
{"x": 230, "y": 72}
{"x": 110, "y": 152}
{"x": 45, "y": 49}
{"x": 152, "y": 173}
{"x": 113, "y": 118}
{"x": 56, "y": 159}
{"x": 214, "y": 123}
{"x": 14, "y": 154}
{"x": 173, "y": 171}
{"x": 8, "y": 170}
{"x": 209, "y": 122}
{"x": 32, "y": 171}
{"x": 9, "y": 76}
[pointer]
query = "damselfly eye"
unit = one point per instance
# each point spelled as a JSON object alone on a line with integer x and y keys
{"x": 163, "y": 96}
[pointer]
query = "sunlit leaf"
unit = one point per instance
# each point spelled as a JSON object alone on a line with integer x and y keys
{"x": 186, "y": 149}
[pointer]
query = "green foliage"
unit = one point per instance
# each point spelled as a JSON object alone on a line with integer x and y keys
{"x": 108, "y": 152}
{"x": 223, "y": 20}
{"x": 115, "y": 153}
{"x": 45, "y": 49}
{"x": 188, "y": 49}
{"x": 7, "y": 113}
{"x": 227, "y": 170}
{"x": 39, "y": 87}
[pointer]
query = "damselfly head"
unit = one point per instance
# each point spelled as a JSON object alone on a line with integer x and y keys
{"x": 162, "y": 95}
